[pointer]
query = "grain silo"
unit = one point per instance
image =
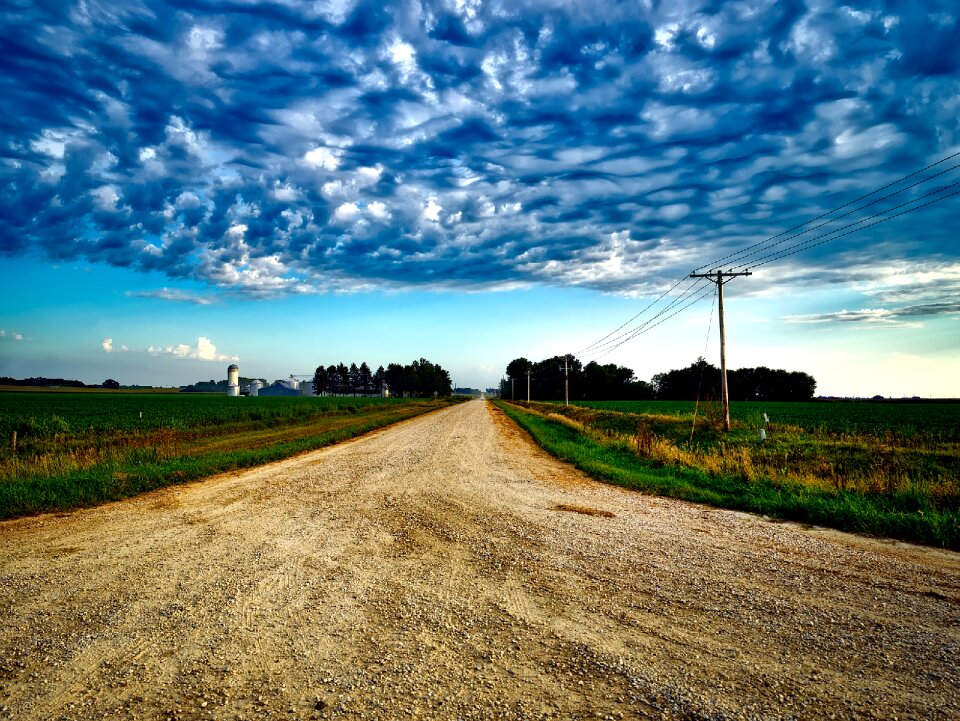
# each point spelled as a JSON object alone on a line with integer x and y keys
{"x": 233, "y": 380}
{"x": 255, "y": 387}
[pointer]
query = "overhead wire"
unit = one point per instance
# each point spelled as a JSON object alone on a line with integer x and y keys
{"x": 703, "y": 294}
{"x": 627, "y": 335}
{"x": 807, "y": 246}
{"x": 764, "y": 249}
{"x": 722, "y": 260}
{"x": 844, "y": 215}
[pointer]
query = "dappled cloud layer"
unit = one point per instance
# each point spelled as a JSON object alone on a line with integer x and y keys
{"x": 294, "y": 147}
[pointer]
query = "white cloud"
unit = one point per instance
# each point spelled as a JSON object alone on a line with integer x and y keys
{"x": 106, "y": 197}
{"x": 171, "y": 294}
{"x": 323, "y": 158}
{"x": 109, "y": 347}
{"x": 285, "y": 193}
{"x": 378, "y": 210}
{"x": 204, "y": 350}
{"x": 346, "y": 212}
{"x": 432, "y": 210}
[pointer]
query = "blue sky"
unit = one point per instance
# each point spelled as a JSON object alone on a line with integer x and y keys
{"x": 283, "y": 184}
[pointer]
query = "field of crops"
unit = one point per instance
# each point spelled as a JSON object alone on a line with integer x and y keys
{"x": 835, "y": 417}
{"x": 899, "y": 481}
{"x": 902, "y": 456}
{"x": 63, "y": 450}
{"x": 41, "y": 415}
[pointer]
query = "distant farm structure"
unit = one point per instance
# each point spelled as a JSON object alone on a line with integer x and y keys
{"x": 291, "y": 386}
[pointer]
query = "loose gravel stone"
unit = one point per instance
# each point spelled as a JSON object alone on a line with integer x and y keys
{"x": 444, "y": 569}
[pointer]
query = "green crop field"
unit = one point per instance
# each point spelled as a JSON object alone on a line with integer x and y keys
{"x": 850, "y": 417}
{"x": 40, "y": 415}
{"x": 889, "y": 468}
{"x": 63, "y": 450}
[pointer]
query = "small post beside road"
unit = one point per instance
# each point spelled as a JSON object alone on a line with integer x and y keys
{"x": 13, "y": 441}
{"x": 718, "y": 278}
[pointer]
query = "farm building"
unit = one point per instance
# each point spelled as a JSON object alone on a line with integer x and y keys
{"x": 279, "y": 389}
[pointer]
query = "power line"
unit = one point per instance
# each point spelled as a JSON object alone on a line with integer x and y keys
{"x": 644, "y": 310}
{"x": 703, "y": 294}
{"x": 722, "y": 260}
{"x": 807, "y": 246}
{"x": 633, "y": 332}
{"x": 741, "y": 264}
{"x": 611, "y": 341}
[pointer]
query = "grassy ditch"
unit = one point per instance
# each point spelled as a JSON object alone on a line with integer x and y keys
{"x": 644, "y": 462}
{"x": 96, "y": 451}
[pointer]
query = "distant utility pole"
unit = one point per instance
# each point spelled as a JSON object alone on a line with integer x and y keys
{"x": 511, "y": 388}
{"x": 719, "y": 277}
{"x": 529, "y": 373}
{"x": 566, "y": 380}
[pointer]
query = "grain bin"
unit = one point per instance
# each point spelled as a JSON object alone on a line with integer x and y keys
{"x": 233, "y": 380}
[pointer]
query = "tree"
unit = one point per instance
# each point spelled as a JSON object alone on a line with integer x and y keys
{"x": 110, "y": 383}
{"x": 320, "y": 381}
{"x": 333, "y": 380}
{"x": 343, "y": 378}
{"x": 518, "y": 367}
{"x": 611, "y": 382}
{"x": 365, "y": 378}
{"x": 394, "y": 378}
{"x": 378, "y": 380}
{"x": 700, "y": 379}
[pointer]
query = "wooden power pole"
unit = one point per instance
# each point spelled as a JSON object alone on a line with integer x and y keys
{"x": 719, "y": 277}
{"x": 529, "y": 373}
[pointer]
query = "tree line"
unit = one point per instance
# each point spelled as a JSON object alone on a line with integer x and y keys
{"x": 701, "y": 379}
{"x": 418, "y": 379}
{"x": 41, "y": 382}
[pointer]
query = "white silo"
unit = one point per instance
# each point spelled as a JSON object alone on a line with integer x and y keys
{"x": 233, "y": 380}
{"x": 255, "y": 387}
{"x": 291, "y": 383}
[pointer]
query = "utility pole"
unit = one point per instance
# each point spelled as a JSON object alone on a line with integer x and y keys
{"x": 566, "y": 380}
{"x": 511, "y": 388}
{"x": 718, "y": 278}
{"x": 529, "y": 373}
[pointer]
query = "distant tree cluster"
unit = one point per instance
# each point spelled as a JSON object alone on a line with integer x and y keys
{"x": 592, "y": 381}
{"x": 745, "y": 384}
{"x": 612, "y": 382}
{"x": 421, "y": 378}
{"x": 41, "y": 382}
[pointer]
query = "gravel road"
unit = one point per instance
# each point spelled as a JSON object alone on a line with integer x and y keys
{"x": 446, "y": 568}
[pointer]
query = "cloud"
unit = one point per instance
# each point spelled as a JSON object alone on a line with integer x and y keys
{"x": 270, "y": 149}
{"x": 171, "y": 294}
{"x": 204, "y": 350}
{"x": 14, "y": 336}
{"x": 108, "y": 346}
{"x": 906, "y": 316}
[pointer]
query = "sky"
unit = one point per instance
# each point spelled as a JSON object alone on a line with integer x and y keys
{"x": 185, "y": 185}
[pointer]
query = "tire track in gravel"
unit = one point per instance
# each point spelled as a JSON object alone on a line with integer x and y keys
{"x": 448, "y": 568}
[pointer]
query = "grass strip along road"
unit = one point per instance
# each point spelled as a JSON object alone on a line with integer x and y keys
{"x": 85, "y": 450}
{"x": 901, "y": 516}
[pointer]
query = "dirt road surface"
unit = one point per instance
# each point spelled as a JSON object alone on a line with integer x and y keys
{"x": 446, "y": 568}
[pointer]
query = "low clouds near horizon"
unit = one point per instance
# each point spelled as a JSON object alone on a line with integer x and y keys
{"x": 270, "y": 148}
{"x": 204, "y": 350}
